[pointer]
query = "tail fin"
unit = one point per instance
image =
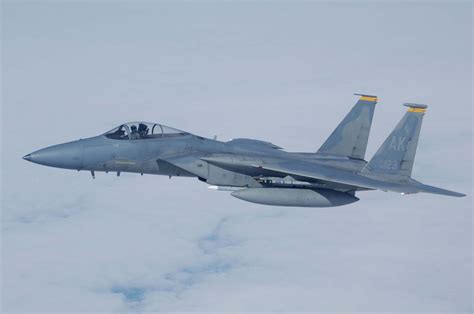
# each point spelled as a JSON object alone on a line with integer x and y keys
{"x": 351, "y": 135}
{"x": 397, "y": 153}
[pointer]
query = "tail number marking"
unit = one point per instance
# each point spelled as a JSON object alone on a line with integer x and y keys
{"x": 387, "y": 164}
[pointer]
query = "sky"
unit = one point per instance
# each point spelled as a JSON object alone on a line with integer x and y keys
{"x": 277, "y": 71}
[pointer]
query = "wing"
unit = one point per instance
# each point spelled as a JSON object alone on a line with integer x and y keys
{"x": 329, "y": 177}
{"x": 188, "y": 162}
{"x": 334, "y": 175}
{"x": 195, "y": 164}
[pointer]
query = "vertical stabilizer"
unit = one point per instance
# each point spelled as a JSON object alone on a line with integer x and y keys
{"x": 397, "y": 153}
{"x": 351, "y": 135}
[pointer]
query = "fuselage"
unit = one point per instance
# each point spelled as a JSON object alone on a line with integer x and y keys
{"x": 160, "y": 150}
{"x": 100, "y": 153}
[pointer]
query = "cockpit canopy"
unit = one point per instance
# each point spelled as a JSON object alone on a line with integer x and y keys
{"x": 142, "y": 131}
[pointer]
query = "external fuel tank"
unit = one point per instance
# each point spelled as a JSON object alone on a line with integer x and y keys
{"x": 295, "y": 197}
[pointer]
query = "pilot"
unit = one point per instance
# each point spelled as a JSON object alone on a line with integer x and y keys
{"x": 134, "y": 134}
{"x": 142, "y": 130}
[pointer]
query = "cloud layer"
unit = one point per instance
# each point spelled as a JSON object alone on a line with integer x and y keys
{"x": 272, "y": 71}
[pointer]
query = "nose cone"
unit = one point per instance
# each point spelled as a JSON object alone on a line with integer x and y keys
{"x": 27, "y": 157}
{"x": 67, "y": 155}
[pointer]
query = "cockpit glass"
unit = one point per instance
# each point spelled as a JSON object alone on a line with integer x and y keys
{"x": 142, "y": 131}
{"x": 119, "y": 133}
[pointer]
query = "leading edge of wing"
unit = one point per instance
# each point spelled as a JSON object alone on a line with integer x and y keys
{"x": 314, "y": 171}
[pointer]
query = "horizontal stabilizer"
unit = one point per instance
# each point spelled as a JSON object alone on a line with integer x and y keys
{"x": 423, "y": 188}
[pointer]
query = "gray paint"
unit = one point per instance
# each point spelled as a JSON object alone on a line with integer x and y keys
{"x": 247, "y": 162}
{"x": 295, "y": 197}
{"x": 397, "y": 154}
{"x": 76, "y": 69}
{"x": 351, "y": 136}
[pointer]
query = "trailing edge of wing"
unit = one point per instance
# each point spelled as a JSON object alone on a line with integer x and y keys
{"x": 314, "y": 171}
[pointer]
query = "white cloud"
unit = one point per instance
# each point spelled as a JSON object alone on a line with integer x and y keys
{"x": 147, "y": 243}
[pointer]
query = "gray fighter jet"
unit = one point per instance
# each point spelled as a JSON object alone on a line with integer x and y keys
{"x": 259, "y": 171}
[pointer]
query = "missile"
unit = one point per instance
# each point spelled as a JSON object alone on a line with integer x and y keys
{"x": 224, "y": 188}
{"x": 295, "y": 197}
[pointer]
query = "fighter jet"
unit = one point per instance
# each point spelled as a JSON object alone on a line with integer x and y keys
{"x": 259, "y": 171}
